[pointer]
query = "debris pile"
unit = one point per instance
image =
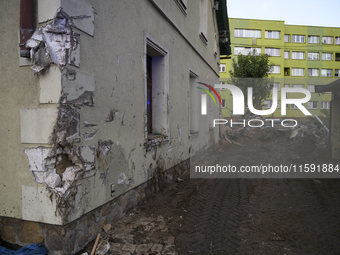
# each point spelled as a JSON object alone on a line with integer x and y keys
{"x": 310, "y": 137}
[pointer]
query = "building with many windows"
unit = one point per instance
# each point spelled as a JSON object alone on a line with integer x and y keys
{"x": 303, "y": 56}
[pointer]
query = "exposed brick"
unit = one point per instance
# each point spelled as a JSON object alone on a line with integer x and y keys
{"x": 90, "y": 219}
{"x": 30, "y": 232}
{"x": 140, "y": 189}
{"x": 82, "y": 240}
{"x": 106, "y": 209}
{"x": 119, "y": 202}
{"x": 70, "y": 243}
{"x": 53, "y": 240}
{"x": 8, "y": 234}
{"x": 15, "y": 221}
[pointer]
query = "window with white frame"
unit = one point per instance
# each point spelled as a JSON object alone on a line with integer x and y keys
{"x": 337, "y": 40}
{"x": 274, "y": 85}
{"x": 273, "y": 52}
{"x": 287, "y": 38}
{"x": 327, "y": 56}
{"x": 246, "y": 50}
{"x": 247, "y": 33}
{"x": 298, "y": 55}
{"x": 313, "y": 71}
{"x": 326, "y": 72}
{"x": 311, "y": 88}
{"x": 313, "y": 39}
{"x": 298, "y": 86}
{"x": 298, "y": 72}
{"x": 313, "y": 55}
{"x": 286, "y": 86}
{"x": 157, "y": 87}
{"x": 298, "y": 38}
{"x": 223, "y": 103}
{"x": 293, "y": 107}
{"x": 286, "y": 55}
{"x": 312, "y": 105}
{"x": 337, "y": 72}
{"x": 325, "y": 105}
{"x": 222, "y": 68}
{"x": 275, "y": 70}
{"x": 272, "y": 34}
{"x": 327, "y": 40}
{"x": 267, "y": 104}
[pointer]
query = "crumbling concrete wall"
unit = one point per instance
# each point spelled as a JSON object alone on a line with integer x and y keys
{"x": 87, "y": 92}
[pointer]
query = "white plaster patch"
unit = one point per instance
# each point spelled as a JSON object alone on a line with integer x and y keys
{"x": 75, "y": 87}
{"x": 81, "y": 13}
{"x": 87, "y": 153}
{"x": 122, "y": 179}
{"x": 47, "y": 9}
{"x": 39, "y": 206}
{"x": 37, "y": 124}
{"x": 50, "y": 86}
{"x": 36, "y": 157}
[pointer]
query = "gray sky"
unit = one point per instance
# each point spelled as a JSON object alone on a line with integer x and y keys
{"x": 325, "y": 13}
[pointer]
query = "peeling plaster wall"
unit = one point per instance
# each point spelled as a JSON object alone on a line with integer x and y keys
{"x": 98, "y": 137}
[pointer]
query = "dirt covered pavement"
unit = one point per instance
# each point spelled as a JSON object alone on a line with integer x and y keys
{"x": 241, "y": 216}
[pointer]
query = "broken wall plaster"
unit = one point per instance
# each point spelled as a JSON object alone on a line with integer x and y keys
{"x": 53, "y": 43}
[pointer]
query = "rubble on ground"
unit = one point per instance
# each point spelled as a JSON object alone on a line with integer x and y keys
{"x": 310, "y": 137}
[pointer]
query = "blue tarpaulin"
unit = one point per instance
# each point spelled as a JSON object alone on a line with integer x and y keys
{"x": 32, "y": 249}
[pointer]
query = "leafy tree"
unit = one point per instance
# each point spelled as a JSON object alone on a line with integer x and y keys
{"x": 252, "y": 71}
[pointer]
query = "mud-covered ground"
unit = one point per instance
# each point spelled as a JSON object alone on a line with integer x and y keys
{"x": 244, "y": 216}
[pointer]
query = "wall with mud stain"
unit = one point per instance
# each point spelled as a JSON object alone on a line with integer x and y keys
{"x": 80, "y": 108}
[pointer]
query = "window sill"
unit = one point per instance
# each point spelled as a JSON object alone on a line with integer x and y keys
{"x": 203, "y": 38}
{"x": 154, "y": 141}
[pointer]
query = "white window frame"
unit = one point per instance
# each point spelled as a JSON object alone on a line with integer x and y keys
{"x": 298, "y": 86}
{"x": 327, "y": 56}
{"x": 313, "y": 72}
{"x": 223, "y": 68}
{"x": 337, "y": 40}
{"x": 273, "y": 52}
{"x": 252, "y": 33}
{"x": 272, "y": 34}
{"x": 286, "y": 85}
{"x": 246, "y": 50}
{"x": 287, "y": 38}
{"x": 325, "y": 105}
{"x": 326, "y": 72}
{"x": 312, "y": 55}
{"x": 276, "y": 70}
{"x": 160, "y": 121}
{"x": 298, "y": 38}
{"x": 274, "y": 84}
{"x": 313, "y": 39}
{"x": 287, "y": 55}
{"x": 336, "y": 72}
{"x": 327, "y": 40}
{"x": 298, "y": 55}
{"x": 313, "y": 105}
{"x": 311, "y": 88}
{"x": 298, "y": 72}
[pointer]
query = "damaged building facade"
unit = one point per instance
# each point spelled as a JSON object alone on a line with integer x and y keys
{"x": 100, "y": 108}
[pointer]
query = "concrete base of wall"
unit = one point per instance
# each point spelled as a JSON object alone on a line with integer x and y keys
{"x": 71, "y": 238}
